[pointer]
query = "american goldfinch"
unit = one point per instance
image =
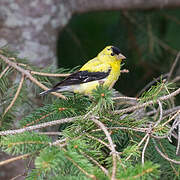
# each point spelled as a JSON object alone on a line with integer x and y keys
{"x": 103, "y": 69}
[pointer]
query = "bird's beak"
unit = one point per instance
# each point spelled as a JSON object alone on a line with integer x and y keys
{"x": 120, "y": 56}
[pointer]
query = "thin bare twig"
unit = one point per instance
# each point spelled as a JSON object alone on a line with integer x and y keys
{"x": 144, "y": 149}
{"x": 124, "y": 71}
{"x": 51, "y": 133}
{"x": 173, "y": 66}
{"x": 160, "y": 115}
{"x": 19, "y": 175}
{"x": 124, "y": 128}
{"x": 49, "y": 74}
{"x": 16, "y": 95}
{"x": 125, "y": 98}
{"x": 39, "y": 126}
{"x": 14, "y": 159}
{"x": 143, "y": 139}
{"x": 99, "y": 140}
{"x": 4, "y": 71}
{"x": 81, "y": 169}
{"x": 59, "y": 143}
{"x": 178, "y": 144}
{"x": 165, "y": 112}
{"x": 177, "y": 113}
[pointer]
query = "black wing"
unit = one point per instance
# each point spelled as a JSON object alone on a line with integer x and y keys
{"x": 82, "y": 77}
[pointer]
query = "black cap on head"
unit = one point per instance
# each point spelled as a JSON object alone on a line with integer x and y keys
{"x": 115, "y": 50}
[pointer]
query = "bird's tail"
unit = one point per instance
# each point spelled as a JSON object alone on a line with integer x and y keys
{"x": 57, "y": 89}
{"x": 46, "y": 92}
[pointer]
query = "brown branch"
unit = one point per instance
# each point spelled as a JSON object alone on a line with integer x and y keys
{"x": 28, "y": 75}
{"x": 49, "y": 74}
{"x": 19, "y": 175}
{"x": 124, "y": 128}
{"x": 14, "y": 159}
{"x": 16, "y": 95}
{"x": 166, "y": 112}
{"x": 4, "y": 71}
{"x": 39, "y": 126}
{"x": 51, "y": 133}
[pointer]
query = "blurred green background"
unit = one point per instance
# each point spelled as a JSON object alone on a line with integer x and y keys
{"x": 149, "y": 39}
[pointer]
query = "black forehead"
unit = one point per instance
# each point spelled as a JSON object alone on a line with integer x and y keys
{"x": 115, "y": 50}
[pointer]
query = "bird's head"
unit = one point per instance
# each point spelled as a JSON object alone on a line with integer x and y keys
{"x": 112, "y": 52}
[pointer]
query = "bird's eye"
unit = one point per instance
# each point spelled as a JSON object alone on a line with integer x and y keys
{"x": 108, "y": 49}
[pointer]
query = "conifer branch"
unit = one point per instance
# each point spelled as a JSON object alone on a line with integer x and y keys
{"x": 163, "y": 98}
{"x": 99, "y": 140}
{"x": 39, "y": 126}
{"x": 81, "y": 169}
{"x": 151, "y": 83}
{"x": 95, "y": 162}
{"x": 113, "y": 151}
{"x": 28, "y": 75}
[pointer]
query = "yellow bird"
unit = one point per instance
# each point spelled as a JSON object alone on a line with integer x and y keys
{"x": 103, "y": 69}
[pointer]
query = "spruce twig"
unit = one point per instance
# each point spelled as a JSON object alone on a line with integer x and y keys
{"x": 39, "y": 126}
{"x": 113, "y": 151}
